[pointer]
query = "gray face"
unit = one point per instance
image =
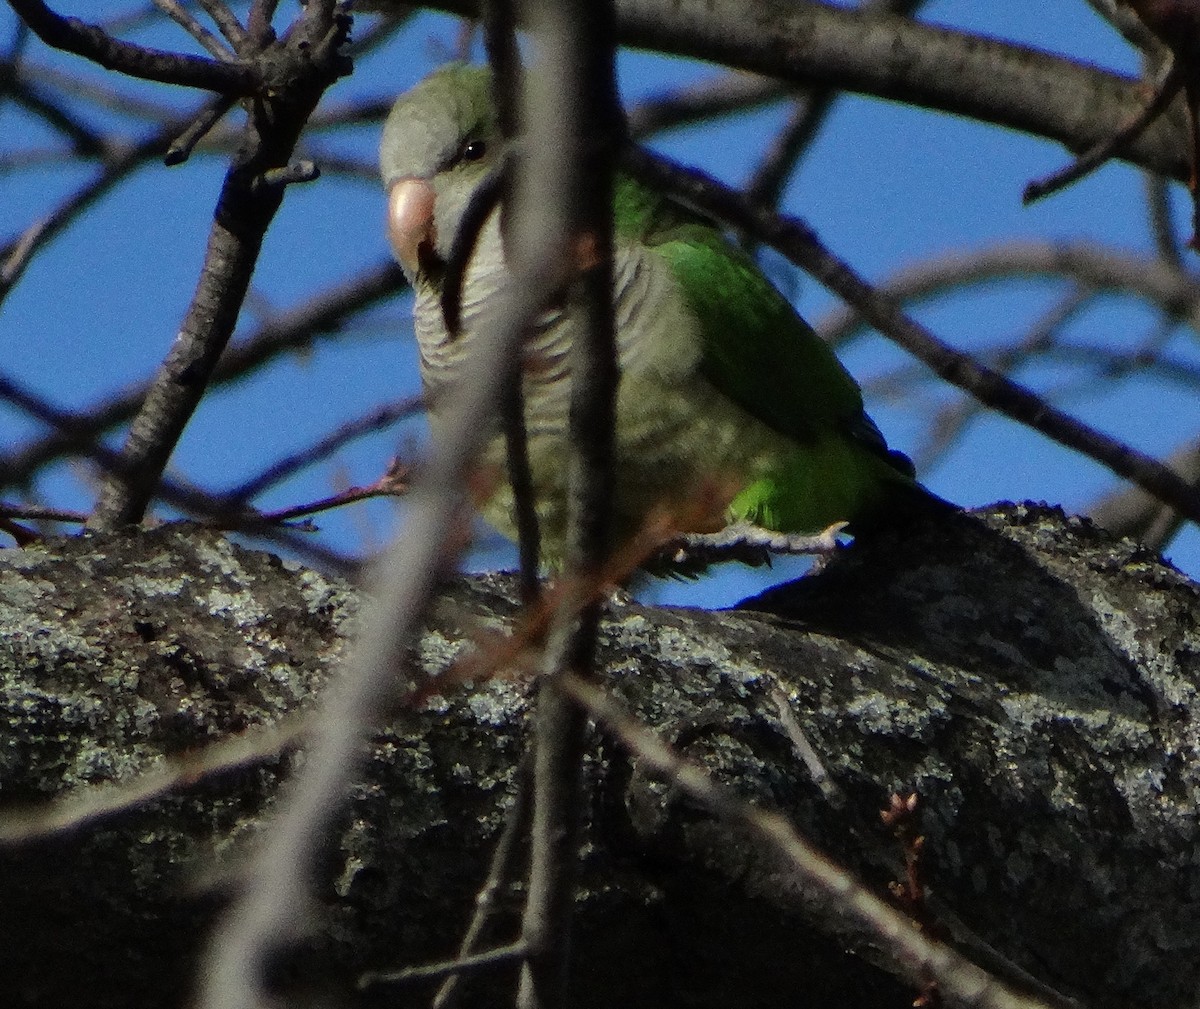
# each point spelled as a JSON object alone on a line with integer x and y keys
{"x": 443, "y": 131}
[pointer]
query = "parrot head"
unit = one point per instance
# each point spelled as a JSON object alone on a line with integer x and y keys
{"x": 440, "y": 143}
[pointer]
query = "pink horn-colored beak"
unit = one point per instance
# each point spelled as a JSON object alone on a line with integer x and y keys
{"x": 410, "y": 220}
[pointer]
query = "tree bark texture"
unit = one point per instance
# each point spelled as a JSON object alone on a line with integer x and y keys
{"x": 1032, "y": 679}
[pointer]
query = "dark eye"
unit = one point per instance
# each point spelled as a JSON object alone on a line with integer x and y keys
{"x": 473, "y": 150}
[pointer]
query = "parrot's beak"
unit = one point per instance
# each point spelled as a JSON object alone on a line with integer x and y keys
{"x": 410, "y": 220}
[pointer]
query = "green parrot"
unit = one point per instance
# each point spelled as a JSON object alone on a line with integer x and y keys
{"x": 722, "y": 384}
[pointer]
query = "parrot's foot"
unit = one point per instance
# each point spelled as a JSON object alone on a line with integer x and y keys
{"x": 746, "y": 543}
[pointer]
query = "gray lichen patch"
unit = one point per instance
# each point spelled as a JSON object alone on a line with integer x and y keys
{"x": 111, "y": 659}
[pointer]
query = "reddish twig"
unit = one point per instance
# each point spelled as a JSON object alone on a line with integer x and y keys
{"x": 394, "y": 483}
{"x": 900, "y": 817}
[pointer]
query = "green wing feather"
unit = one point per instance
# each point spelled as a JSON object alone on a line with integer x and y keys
{"x": 761, "y": 354}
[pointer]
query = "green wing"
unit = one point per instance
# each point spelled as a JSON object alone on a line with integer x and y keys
{"x": 762, "y": 355}
{"x": 757, "y": 350}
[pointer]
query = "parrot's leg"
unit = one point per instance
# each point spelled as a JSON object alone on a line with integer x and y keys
{"x": 748, "y": 544}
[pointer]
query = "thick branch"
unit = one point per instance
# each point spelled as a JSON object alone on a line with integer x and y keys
{"x": 808, "y": 44}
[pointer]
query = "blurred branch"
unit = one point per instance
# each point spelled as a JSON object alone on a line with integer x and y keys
{"x": 17, "y": 253}
{"x": 377, "y": 420}
{"x": 797, "y": 241}
{"x": 1131, "y": 512}
{"x": 1158, "y": 207}
{"x": 501, "y": 869}
{"x": 809, "y": 113}
{"x": 394, "y": 483}
{"x": 1172, "y": 84}
{"x": 100, "y": 93}
{"x": 228, "y": 24}
{"x": 1170, "y": 290}
{"x": 964, "y": 982}
{"x": 693, "y": 103}
{"x": 292, "y": 330}
{"x": 23, "y": 90}
{"x": 953, "y": 419}
{"x": 185, "y": 497}
{"x": 266, "y": 914}
{"x": 1116, "y": 13}
{"x": 181, "y": 15}
{"x": 571, "y": 106}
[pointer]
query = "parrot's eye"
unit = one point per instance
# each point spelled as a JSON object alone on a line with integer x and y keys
{"x": 473, "y": 150}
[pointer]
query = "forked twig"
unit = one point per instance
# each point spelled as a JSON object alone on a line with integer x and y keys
{"x": 1109, "y": 147}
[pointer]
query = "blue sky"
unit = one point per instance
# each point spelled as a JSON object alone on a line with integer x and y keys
{"x": 885, "y": 186}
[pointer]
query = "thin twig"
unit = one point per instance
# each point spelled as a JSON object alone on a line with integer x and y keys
{"x": 804, "y": 749}
{"x": 453, "y": 968}
{"x": 182, "y": 146}
{"x": 245, "y": 210}
{"x": 500, "y": 871}
{"x": 576, "y": 91}
{"x": 265, "y": 914}
{"x": 39, "y": 513}
{"x": 174, "y": 492}
{"x": 325, "y": 313}
{"x": 1169, "y": 289}
{"x": 90, "y": 803}
{"x": 393, "y": 484}
{"x": 520, "y": 479}
{"x": 16, "y": 255}
{"x": 85, "y": 141}
{"x": 227, "y": 23}
{"x": 180, "y": 14}
{"x": 379, "y": 419}
{"x": 1097, "y": 155}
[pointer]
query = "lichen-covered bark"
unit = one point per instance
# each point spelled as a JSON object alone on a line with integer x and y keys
{"x": 1033, "y": 680}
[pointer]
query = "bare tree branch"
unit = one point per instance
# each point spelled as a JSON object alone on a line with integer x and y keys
{"x": 245, "y": 209}
{"x": 814, "y": 44}
{"x": 266, "y": 914}
{"x": 180, "y": 14}
{"x": 95, "y": 44}
{"x": 573, "y": 91}
{"x": 1169, "y": 289}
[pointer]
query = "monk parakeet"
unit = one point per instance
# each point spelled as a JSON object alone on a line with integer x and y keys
{"x": 722, "y": 383}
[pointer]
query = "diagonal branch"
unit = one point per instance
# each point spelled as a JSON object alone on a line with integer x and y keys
{"x": 245, "y": 209}
{"x": 573, "y": 94}
{"x": 95, "y": 44}
{"x": 797, "y": 241}
{"x": 966, "y": 983}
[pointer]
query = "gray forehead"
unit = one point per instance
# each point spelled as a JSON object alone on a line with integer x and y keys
{"x": 424, "y": 131}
